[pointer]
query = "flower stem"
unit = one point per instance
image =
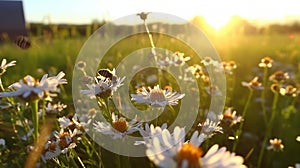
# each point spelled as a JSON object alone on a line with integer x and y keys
{"x": 269, "y": 129}
{"x": 35, "y": 118}
{"x": 1, "y": 85}
{"x": 263, "y": 95}
{"x": 239, "y": 131}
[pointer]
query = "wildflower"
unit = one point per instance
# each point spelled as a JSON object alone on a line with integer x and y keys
{"x": 279, "y": 76}
{"x": 104, "y": 87}
{"x": 198, "y": 72}
{"x": 64, "y": 122}
{"x": 143, "y": 15}
{"x": 276, "y": 145}
{"x": 165, "y": 62}
{"x": 229, "y": 67}
{"x": 119, "y": 127}
{"x": 173, "y": 151}
{"x": 156, "y": 97}
{"x": 149, "y": 132}
{"x": 266, "y": 62}
{"x": 209, "y": 61}
{"x": 4, "y": 65}
{"x": 29, "y": 88}
{"x": 55, "y": 108}
{"x": 230, "y": 117}
{"x": 209, "y": 127}
{"x": 289, "y": 90}
{"x": 213, "y": 90}
{"x": 179, "y": 59}
{"x": 51, "y": 150}
{"x": 275, "y": 87}
{"x": 253, "y": 84}
{"x": 67, "y": 139}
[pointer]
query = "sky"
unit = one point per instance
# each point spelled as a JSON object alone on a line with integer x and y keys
{"x": 214, "y": 11}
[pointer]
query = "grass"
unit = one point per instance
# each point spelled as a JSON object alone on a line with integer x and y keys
{"x": 246, "y": 50}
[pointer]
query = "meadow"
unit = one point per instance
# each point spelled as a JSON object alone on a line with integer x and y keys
{"x": 55, "y": 55}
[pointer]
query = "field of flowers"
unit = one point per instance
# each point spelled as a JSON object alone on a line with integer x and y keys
{"x": 47, "y": 122}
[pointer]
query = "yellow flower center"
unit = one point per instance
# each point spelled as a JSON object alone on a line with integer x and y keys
{"x": 157, "y": 95}
{"x": 190, "y": 153}
{"x": 120, "y": 125}
{"x": 63, "y": 143}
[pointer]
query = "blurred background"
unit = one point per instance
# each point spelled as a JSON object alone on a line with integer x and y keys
{"x": 241, "y": 30}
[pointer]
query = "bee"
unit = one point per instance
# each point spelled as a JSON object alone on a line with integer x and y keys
{"x": 23, "y": 42}
{"x": 107, "y": 74}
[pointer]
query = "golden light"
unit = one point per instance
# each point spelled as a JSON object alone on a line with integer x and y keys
{"x": 217, "y": 21}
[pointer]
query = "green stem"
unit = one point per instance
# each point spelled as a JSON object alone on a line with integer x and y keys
{"x": 1, "y": 85}
{"x": 269, "y": 129}
{"x": 239, "y": 131}
{"x": 35, "y": 118}
{"x": 263, "y": 95}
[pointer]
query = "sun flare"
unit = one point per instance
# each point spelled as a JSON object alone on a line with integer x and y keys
{"x": 217, "y": 21}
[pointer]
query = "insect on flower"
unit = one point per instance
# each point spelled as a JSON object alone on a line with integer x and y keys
{"x": 107, "y": 74}
{"x": 23, "y": 42}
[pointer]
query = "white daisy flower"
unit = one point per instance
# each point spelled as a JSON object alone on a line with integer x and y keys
{"x": 67, "y": 139}
{"x": 64, "y": 122}
{"x": 156, "y": 97}
{"x": 4, "y": 65}
{"x": 165, "y": 62}
{"x": 230, "y": 117}
{"x": 55, "y": 108}
{"x": 119, "y": 127}
{"x": 103, "y": 88}
{"x": 173, "y": 151}
{"x": 148, "y": 132}
{"x": 51, "y": 150}
{"x": 207, "y": 61}
{"x": 179, "y": 59}
{"x": 209, "y": 128}
{"x": 253, "y": 84}
{"x": 30, "y": 89}
{"x": 276, "y": 145}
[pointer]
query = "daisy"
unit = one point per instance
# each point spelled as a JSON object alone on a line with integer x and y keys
{"x": 4, "y": 65}
{"x": 148, "y": 132}
{"x": 156, "y": 97}
{"x": 29, "y": 88}
{"x": 253, "y": 84}
{"x": 119, "y": 127}
{"x": 51, "y": 150}
{"x": 266, "y": 62}
{"x": 228, "y": 67}
{"x": 209, "y": 61}
{"x": 67, "y": 139}
{"x": 198, "y": 72}
{"x": 209, "y": 128}
{"x": 276, "y": 145}
{"x": 104, "y": 87}
{"x": 213, "y": 90}
{"x": 230, "y": 117}
{"x": 165, "y": 62}
{"x": 179, "y": 59}
{"x": 55, "y": 108}
{"x": 289, "y": 90}
{"x": 173, "y": 151}
{"x": 279, "y": 77}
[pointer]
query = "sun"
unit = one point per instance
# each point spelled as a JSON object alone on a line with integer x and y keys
{"x": 217, "y": 21}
